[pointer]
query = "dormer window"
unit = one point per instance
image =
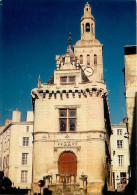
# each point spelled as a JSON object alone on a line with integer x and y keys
{"x": 71, "y": 79}
{"x": 68, "y": 80}
{"x": 63, "y": 79}
{"x": 87, "y": 27}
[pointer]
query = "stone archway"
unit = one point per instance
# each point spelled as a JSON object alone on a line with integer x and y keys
{"x": 67, "y": 164}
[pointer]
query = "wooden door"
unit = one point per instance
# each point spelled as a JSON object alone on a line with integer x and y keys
{"x": 67, "y": 164}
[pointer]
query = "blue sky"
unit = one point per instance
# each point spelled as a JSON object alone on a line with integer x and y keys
{"x": 34, "y": 31}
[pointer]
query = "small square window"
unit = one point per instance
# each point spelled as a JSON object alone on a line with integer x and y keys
{"x": 71, "y": 79}
{"x": 72, "y": 113}
{"x": 119, "y": 131}
{"x": 63, "y": 79}
{"x": 63, "y": 113}
{"x": 27, "y": 128}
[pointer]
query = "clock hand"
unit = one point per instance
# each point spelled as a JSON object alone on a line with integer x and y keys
{"x": 88, "y": 71}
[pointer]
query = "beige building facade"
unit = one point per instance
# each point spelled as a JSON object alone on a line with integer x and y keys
{"x": 130, "y": 72}
{"x": 71, "y": 119}
{"x": 130, "y": 84}
{"x": 120, "y": 156}
{"x": 16, "y": 150}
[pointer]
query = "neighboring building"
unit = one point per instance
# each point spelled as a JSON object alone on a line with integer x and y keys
{"x": 16, "y": 150}
{"x": 130, "y": 73}
{"x": 71, "y": 119}
{"x": 119, "y": 156}
{"x": 130, "y": 85}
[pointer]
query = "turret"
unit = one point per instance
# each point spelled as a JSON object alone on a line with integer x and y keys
{"x": 87, "y": 24}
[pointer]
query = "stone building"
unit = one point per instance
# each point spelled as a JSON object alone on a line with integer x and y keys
{"x": 130, "y": 84}
{"x": 16, "y": 150}
{"x": 119, "y": 156}
{"x": 71, "y": 118}
{"x": 130, "y": 73}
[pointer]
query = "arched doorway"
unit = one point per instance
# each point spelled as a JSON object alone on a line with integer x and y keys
{"x": 67, "y": 165}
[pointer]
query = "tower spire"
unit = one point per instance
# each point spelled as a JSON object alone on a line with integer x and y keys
{"x": 39, "y": 82}
{"x": 70, "y": 40}
{"x": 87, "y": 24}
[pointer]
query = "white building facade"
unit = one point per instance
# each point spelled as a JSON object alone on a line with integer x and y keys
{"x": 71, "y": 118}
{"x": 16, "y": 150}
{"x": 119, "y": 143}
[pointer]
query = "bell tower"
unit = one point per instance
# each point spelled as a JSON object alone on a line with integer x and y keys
{"x": 89, "y": 50}
{"x": 87, "y": 24}
{"x": 71, "y": 119}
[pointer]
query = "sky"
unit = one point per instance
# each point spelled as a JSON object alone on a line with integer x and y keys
{"x": 34, "y": 31}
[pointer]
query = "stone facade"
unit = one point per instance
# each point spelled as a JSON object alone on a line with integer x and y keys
{"x": 130, "y": 84}
{"x": 130, "y": 72}
{"x": 120, "y": 156}
{"x": 71, "y": 119}
{"x": 16, "y": 150}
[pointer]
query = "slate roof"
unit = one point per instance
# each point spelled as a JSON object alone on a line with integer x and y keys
{"x": 51, "y": 80}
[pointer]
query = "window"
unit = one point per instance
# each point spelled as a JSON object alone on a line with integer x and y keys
{"x": 27, "y": 128}
{"x": 7, "y": 161}
{"x": 114, "y": 179}
{"x": 4, "y": 164}
{"x": 88, "y": 59}
{"x": 120, "y": 160}
{"x": 70, "y": 79}
{"x": 119, "y": 131}
{"x": 67, "y": 119}
{"x": 81, "y": 59}
{"x": 63, "y": 79}
{"x": 24, "y": 176}
{"x": 87, "y": 27}
{"x": 25, "y": 141}
{"x": 92, "y": 28}
{"x": 119, "y": 143}
{"x": 95, "y": 59}
{"x": 83, "y": 27}
{"x": 123, "y": 178}
{"x": 24, "y": 158}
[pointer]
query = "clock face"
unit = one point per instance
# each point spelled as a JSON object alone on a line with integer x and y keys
{"x": 88, "y": 71}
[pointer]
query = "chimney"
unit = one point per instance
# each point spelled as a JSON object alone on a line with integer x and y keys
{"x": 29, "y": 116}
{"x": 16, "y": 116}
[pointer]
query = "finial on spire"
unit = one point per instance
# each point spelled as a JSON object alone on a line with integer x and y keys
{"x": 39, "y": 82}
{"x": 70, "y": 40}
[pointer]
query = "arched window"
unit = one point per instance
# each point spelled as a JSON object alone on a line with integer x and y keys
{"x": 87, "y": 27}
{"x": 92, "y": 28}
{"x": 95, "y": 59}
{"x": 88, "y": 59}
{"x": 81, "y": 59}
{"x": 83, "y": 27}
{"x": 67, "y": 164}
